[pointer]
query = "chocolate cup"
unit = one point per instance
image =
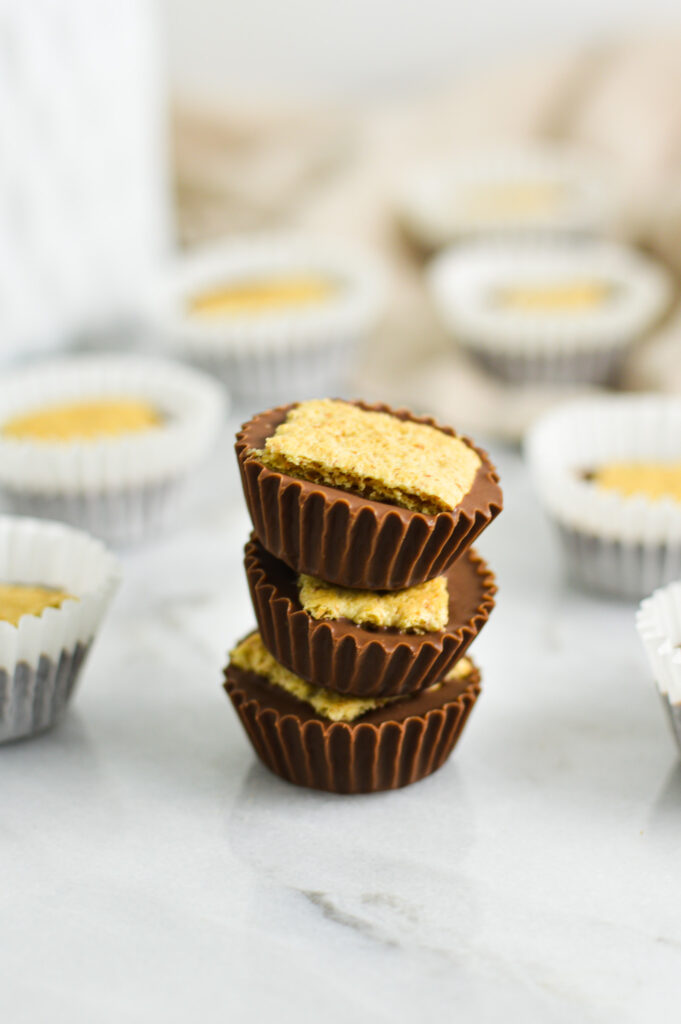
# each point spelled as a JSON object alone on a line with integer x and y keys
{"x": 390, "y": 747}
{"x": 353, "y": 541}
{"x": 352, "y": 659}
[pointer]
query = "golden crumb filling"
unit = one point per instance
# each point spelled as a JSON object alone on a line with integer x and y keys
{"x": 262, "y": 296}
{"x": 514, "y": 199}
{"x": 654, "y": 480}
{"x": 373, "y": 454}
{"x": 83, "y": 421}
{"x": 251, "y": 655}
{"x": 423, "y": 608}
{"x": 461, "y": 670}
{"x": 17, "y": 599}
{"x": 570, "y": 297}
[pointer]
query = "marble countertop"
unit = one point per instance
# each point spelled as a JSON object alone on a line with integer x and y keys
{"x": 151, "y": 869}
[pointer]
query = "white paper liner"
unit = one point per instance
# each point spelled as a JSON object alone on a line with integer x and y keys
{"x": 120, "y": 488}
{"x": 658, "y": 622}
{"x": 434, "y": 210}
{"x": 626, "y": 546}
{"x": 41, "y": 657}
{"x": 277, "y": 354}
{"x": 564, "y": 346}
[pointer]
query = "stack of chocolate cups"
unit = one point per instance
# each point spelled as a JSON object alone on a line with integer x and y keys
{"x": 414, "y": 691}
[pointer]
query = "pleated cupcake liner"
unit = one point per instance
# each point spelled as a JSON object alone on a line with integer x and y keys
{"x": 352, "y": 541}
{"x": 624, "y": 547}
{"x": 673, "y": 712}
{"x": 552, "y": 369}
{"x": 120, "y": 518}
{"x": 432, "y": 206}
{"x": 41, "y": 658}
{"x": 34, "y": 697}
{"x": 266, "y": 357}
{"x": 658, "y": 621}
{"x": 356, "y": 758}
{"x": 123, "y": 489}
{"x": 623, "y": 569}
{"x": 361, "y": 662}
{"x": 551, "y": 347}
{"x": 255, "y": 380}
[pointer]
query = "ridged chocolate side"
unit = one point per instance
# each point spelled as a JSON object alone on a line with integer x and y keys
{"x": 340, "y": 757}
{"x": 354, "y": 541}
{"x": 343, "y": 656}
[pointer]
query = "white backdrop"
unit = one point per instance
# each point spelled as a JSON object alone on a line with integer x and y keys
{"x": 341, "y": 47}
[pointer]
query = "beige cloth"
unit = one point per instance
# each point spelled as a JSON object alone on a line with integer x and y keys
{"x": 338, "y": 172}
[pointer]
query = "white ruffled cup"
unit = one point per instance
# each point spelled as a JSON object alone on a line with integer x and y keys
{"x": 124, "y": 489}
{"x": 658, "y": 622}
{"x": 41, "y": 658}
{"x": 270, "y": 357}
{"x": 623, "y": 546}
{"x": 550, "y": 346}
{"x": 438, "y": 206}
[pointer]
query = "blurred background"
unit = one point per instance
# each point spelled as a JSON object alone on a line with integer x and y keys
{"x": 134, "y": 132}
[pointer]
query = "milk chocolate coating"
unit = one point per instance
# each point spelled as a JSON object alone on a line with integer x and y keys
{"x": 353, "y": 541}
{"x": 390, "y": 747}
{"x": 352, "y": 659}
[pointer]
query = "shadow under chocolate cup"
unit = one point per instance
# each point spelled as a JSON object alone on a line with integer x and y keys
{"x": 387, "y": 748}
{"x": 354, "y": 659}
{"x": 353, "y": 541}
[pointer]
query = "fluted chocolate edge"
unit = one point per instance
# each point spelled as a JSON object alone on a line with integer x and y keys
{"x": 353, "y": 660}
{"x": 353, "y": 541}
{"x": 358, "y": 757}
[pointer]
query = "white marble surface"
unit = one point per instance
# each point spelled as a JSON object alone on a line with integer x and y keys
{"x": 151, "y": 870}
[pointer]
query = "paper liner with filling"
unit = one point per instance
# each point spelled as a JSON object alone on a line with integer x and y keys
{"x": 625, "y": 546}
{"x": 355, "y": 660}
{"x": 123, "y": 488}
{"x": 390, "y": 747}
{"x": 580, "y": 192}
{"x": 265, "y": 358}
{"x": 41, "y": 657}
{"x": 560, "y": 347}
{"x": 353, "y": 541}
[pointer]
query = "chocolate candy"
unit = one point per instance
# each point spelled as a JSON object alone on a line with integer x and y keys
{"x": 387, "y": 748}
{"x": 353, "y": 541}
{"x": 343, "y": 656}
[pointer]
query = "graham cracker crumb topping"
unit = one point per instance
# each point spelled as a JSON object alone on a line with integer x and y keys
{"x": 462, "y": 669}
{"x": 251, "y": 655}
{"x": 423, "y": 608}
{"x": 373, "y": 454}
